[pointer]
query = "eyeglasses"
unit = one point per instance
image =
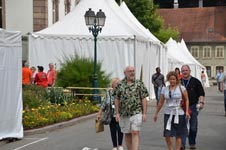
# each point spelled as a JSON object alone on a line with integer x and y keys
{"x": 184, "y": 71}
{"x": 131, "y": 71}
{"x": 170, "y": 95}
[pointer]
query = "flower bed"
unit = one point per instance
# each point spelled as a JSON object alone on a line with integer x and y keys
{"x": 54, "y": 113}
{"x": 39, "y": 109}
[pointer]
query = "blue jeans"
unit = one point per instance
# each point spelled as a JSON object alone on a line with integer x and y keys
{"x": 225, "y": 100}
{"x": 157, "y": 93}
{"x": 193, "y": 127}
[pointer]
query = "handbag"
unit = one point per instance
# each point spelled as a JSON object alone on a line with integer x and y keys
{"x": 99, "y": 125}
{"x": 107, "y": 114}
{"x": 183, "y": 103}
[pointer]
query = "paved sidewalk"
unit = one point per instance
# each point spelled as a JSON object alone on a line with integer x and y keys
{"x": 79, "y": 133}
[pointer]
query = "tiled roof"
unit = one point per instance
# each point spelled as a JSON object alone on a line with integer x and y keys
{"x": 206, "y": 24}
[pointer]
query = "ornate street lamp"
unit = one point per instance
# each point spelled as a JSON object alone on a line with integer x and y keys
{"x": 95, "y": 24}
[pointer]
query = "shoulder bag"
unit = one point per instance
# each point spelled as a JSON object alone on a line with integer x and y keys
{"x": 183, "y": 103}
{"x": 107, "y": 112}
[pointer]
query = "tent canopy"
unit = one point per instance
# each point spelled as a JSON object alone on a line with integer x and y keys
{"x": 11, "y": 85}
{"x": 73, "y": 24}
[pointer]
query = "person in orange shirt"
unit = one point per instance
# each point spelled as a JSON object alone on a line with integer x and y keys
{"x": 26, "y": 74}
{"x": 41, "y": 77}
{"x": 51, "y": 74}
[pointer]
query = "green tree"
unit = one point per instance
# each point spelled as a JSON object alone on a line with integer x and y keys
{"x": 146, "y": 12}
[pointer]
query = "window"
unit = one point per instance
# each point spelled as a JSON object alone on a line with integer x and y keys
{"x": 67, "y": 4}
{"x": 219, "y": 68}
{"x": 55, "y": 10}
{"x": 208, "y": 71}
{"x": 195, "y": 51}
{"x": 206, "y": 52}
{"x": 219, "y": 52}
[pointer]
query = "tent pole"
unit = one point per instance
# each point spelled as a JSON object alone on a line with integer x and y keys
{"x": 135, "y": 51}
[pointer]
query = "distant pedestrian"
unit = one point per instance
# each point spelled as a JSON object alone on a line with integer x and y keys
{"x": 174, "y": 120}
{"x": 203, "y": 78}
{"x": 177, "y": 70}
{"x": 223, "y": 88}
{"x": 196, "y": 96}
{"x": 26, "y": 74}
{"x": 218, "y": 78}
{"x": 158, "y": 82}
{"x": 41, "y": 77}
{"x": 131, "y": 107}
{"x": 51, "y": 74}
{"x": 33, "y": 70}
{"x": 116, "y": 134}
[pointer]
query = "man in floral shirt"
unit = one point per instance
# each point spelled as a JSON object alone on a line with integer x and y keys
{"x": 131, "y": 107}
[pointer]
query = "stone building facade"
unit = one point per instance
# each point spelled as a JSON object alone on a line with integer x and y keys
{"x": 204, "y": 31}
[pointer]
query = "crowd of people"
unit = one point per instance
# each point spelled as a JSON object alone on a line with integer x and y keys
{"x": 40, "y": 78}
{"x": 129, "y": 100}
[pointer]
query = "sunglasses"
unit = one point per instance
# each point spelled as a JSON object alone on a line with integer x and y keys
{"x": 170, "y": 94}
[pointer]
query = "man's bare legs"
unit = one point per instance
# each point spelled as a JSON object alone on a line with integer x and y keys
{"x": 128, "y": 139}
{"x": 132, "y": 140}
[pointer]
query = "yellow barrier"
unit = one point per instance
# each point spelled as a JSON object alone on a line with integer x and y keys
{"x": 74, "y": 93}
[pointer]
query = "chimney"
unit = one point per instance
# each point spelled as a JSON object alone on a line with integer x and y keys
{"x": 200, "y": 3}
{"x": 175, "y": 4}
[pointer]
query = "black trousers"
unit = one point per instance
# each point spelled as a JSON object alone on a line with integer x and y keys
{"x": 116, "y": 134}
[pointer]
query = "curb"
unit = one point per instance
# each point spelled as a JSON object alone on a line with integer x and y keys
{"x": 60, "y": 125}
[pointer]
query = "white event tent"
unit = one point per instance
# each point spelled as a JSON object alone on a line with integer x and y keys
{"x": 179, "y": 55}
{"x": 11, "y": 84}
{"x": 121, "y": 42}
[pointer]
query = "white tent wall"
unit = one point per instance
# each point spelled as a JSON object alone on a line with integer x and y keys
{"x": 114, "y": 54}
{"x": 11, "y": 85}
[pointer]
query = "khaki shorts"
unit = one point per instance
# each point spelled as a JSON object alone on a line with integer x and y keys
{"x": 129, "y": 124}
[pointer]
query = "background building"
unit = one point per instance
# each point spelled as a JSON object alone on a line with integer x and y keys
{"x": 32, "y": 15}
{"x": 204, "y": 31}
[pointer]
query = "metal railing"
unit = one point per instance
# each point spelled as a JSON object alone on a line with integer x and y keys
{"x": 75, "y": 93}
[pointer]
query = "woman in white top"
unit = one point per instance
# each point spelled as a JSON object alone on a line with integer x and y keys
{"x": 174, "y": 115}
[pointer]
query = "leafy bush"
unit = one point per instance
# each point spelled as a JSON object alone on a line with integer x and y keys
{"x": 78, "y": 72}
{"x": 34, "y": 96}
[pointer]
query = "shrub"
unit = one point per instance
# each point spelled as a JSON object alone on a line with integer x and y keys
{"x": 78, "y": 72}
{"x": 34, "y": 96}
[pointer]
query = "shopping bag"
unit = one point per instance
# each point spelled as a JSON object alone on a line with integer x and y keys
{"x": 99, "y": 126}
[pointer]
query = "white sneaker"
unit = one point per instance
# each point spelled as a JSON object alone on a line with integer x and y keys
{"x": 120, "y": 148}
{"x": 114, "y": 148}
